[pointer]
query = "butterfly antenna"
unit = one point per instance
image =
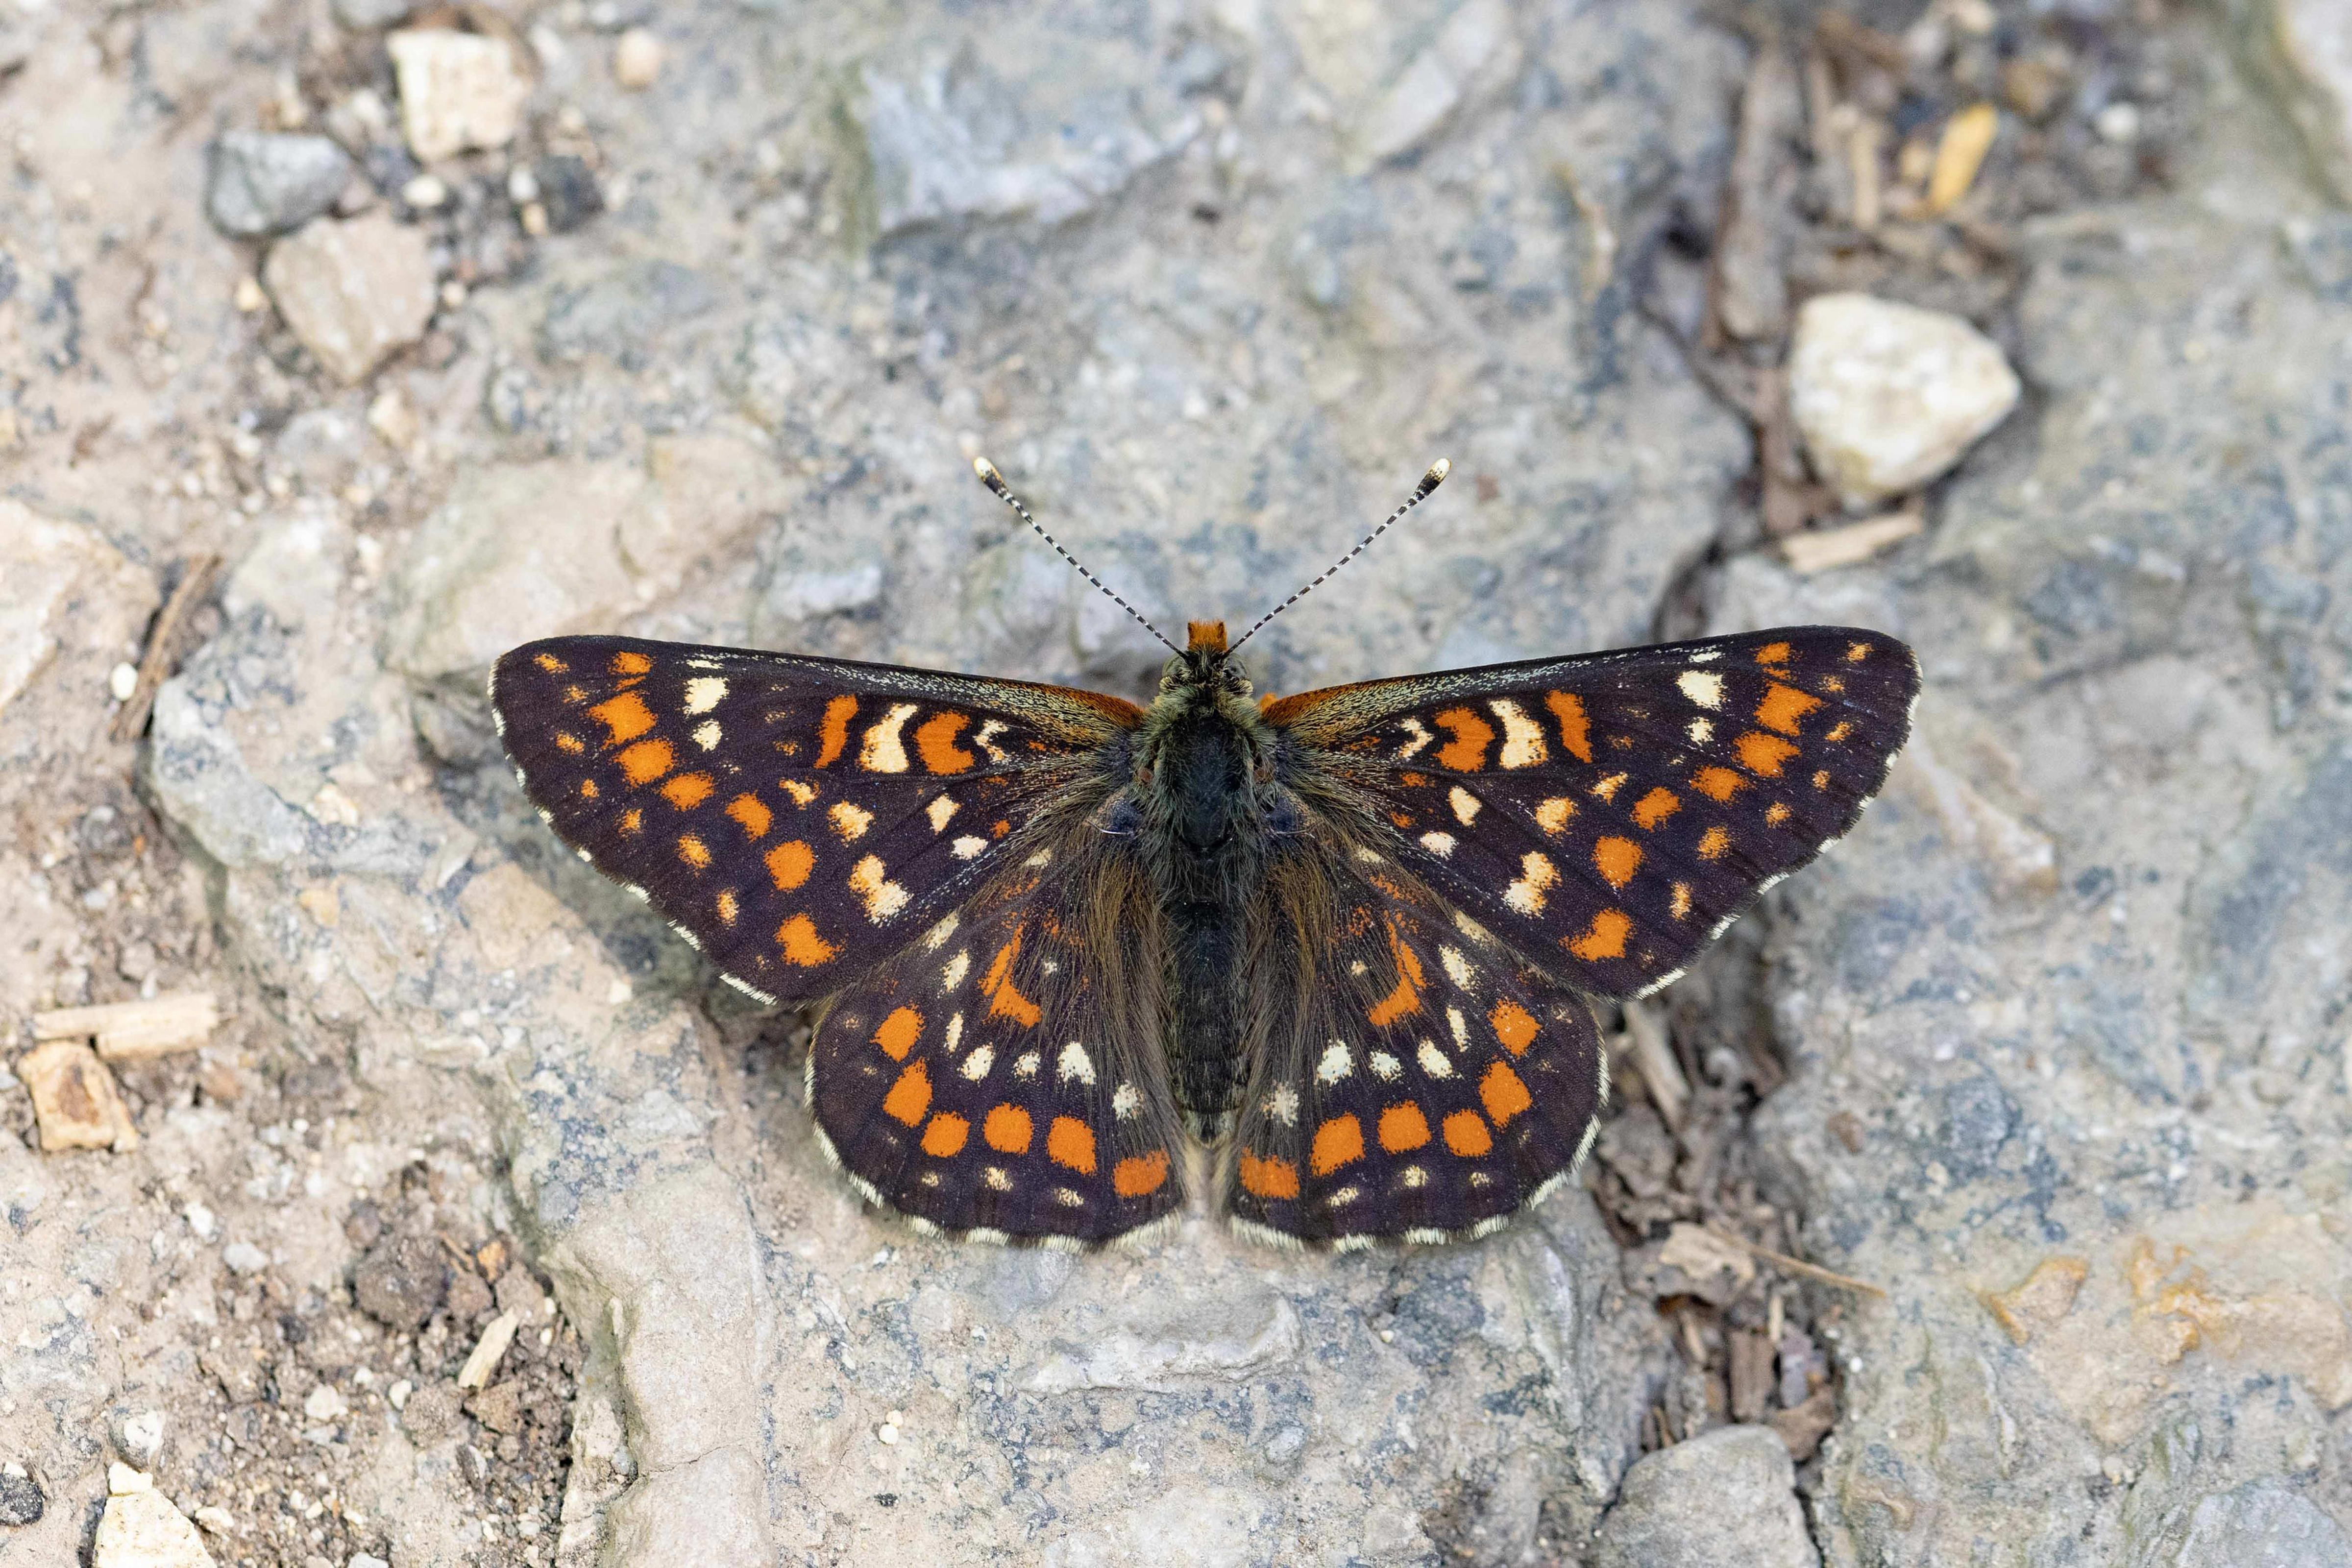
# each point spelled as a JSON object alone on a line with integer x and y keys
{"x": 1429, "y": 481}
{"x": 997, "y": 487}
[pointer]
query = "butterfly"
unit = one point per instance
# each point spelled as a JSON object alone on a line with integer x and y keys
{"x": 1326, "y": 961}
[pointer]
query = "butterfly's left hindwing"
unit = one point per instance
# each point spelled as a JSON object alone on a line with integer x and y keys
{"x": 1003, "y": 1078}
{"x": 797, "y": 819}
{"x": 1607, "y": 815}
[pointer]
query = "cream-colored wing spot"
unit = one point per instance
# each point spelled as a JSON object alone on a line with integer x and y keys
{"x": 882, "y": 750}
{"x": 704, "y": 692}
{"x": 1523, "y": 739}
{"x": 1465, "y": 805}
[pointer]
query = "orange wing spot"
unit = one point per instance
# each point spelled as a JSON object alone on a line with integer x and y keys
{"x": 1762, "y": 753}
{"x": 802, "y": 946}
{"x": 1466, "y": 1134}
{"x": 728, "y": 907}
{"x": 631, "y": 665}
{"x": 1466, "y": 752}
{"x": 789, "y": 864}
{"x": 1855, "y": 653}
{"x": 569, "y": 743}
{"x": 999, "y": 828}
{"x": 1718, "y": 783}
{"x": 1070, "y": 1143}
{"x": 1514, "y": 1026}
{"x": 1005, "y": 1001}
{"x": 588, "y": 791}
{"x": 646, "y": 761}
{"x": 1401, "y": 819}
{"x": 1404, "y": 1128}
{"x": 1821, "y": 778}
{"x": 1501, "y": 1093}
{"x": 1406, "y": 999}
{"x": 899, "y": 1032}
{"x": 1139, "y": 1176}
{"x": 833, "y": 733}
{"x": 555, "y": 666}
{"x": 632, "y": 821}
{"x": 1575, "y": 730}
{"x": 1681, "y": 905}
{"x": 1337, "y": 1142}
{"x": 910, "y": 1096}
{"x": 1777, "y": 812}
{"x": 575, "y": 694}
{"x": 1008, "y": 1130}
{"x": 689, "y": 790}
{"x": 1604, "y": 938}
{"x": 624, "y": 717}
{"x": 1607, "y": 788}
{"x": 1839, "y": 730}
{"x": 1833, "y": 683}
{"x": 935, "y": 741}
{"x": 1263, "y": 1176}
{"x": 1784, "y": 707}
{"x": 1713, "y": 845}
{"x": 1773, "y": 654}
{"x": 1616, "y": 860}
{"x": 693, "y": 850}
{"x": 1414, "y": 781}
{"x": 752, "y": 814}
{"x": 946, "y": 1134}
{"x": 1654, "y": 808}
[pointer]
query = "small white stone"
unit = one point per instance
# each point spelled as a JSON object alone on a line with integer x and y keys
{"x": 424, "y": 193}
{"x": 2118, "y": 122}
{"x": 1888, "y": 396}
{"x": 326, "y": 1403}
{"x": 397, "y": 1394}
{"x": 637, "y": 59}
{"x": 249, "y": 296}
{"x": 140, "y": 1437}
{"x": 889, "y": 1433}
{"x": 456, "y": 91}
{"x": 244, "y": 1258}
{"x": 122, "y": 680}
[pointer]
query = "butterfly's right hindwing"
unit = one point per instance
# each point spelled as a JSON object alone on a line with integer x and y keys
{"x": 797, "y": 819}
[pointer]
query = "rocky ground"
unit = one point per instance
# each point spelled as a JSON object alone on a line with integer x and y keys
{"x": 1982, "y": 1199}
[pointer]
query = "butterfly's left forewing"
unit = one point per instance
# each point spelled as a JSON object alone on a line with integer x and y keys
{"x": 798, "y": 819}
{"x": 1607, "y": 815}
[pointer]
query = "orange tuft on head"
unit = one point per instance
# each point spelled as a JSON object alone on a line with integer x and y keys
{"x": 1206, "y": 636}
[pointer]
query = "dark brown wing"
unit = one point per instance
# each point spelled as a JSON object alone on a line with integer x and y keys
{"x": 1003, "y": 1078}
{"x": 1608, "y": 815}
{"x": 796, "y": 819}
{"x": 1418, "y": 1081}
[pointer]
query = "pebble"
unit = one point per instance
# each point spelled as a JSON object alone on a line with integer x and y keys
{"x": 244, "y": 1258}
{"x": 21, "y": 1502}
{"x": 354, "y": 292}
{"x": 75, "y": 1098}
{"x": 214, "y": 1519}
{"x": 140, "y": 1437}
{"x": 424, "y": 193}
{"x": 496, "y": 1336}
{"x": 326, "y": 1403}
{"x": 121, "y": 681}
{"x": 1725, "y": 1496}
{"x": 637, "y": 59}
{"x": 569, "y": 191}
{"x": 250, "y": 297}
{"x": 141, "y": 1529}
{"x": 457, "y": 91}
{"x": 400, "y": 1281}
{"x": 2118, "y": 122}
{"x": 1888, "y": 396}
{"x": 264, "y": 184}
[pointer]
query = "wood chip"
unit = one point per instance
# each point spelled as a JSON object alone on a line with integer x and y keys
{"x": 1653, "y": 1059}
{"x": 1861, "y": 146}
{"x": 1803, "y": 1428}
{"x": 497, "y": 1335}
{"x": 1967, "y": 137}
{"x": 155, "y": 664}
{"x": 1823, "y": 549}
{"x": 76, "y": 1100}
{"x": 134, "y": 1032}
{"x": 1750, "y": 1374}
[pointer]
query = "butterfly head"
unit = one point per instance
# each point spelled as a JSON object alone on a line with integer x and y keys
{"x": 1204, "y": 669}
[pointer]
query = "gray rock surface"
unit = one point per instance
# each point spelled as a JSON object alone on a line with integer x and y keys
{"x": 352, "y": 292}
{"x": 1726, "y": 1495}
{"x": 261, "y": 184}
{"x": 2061, "y": 1024}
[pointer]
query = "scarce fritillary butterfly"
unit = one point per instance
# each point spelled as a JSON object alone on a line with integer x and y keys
{"x": 1326, "y": 960}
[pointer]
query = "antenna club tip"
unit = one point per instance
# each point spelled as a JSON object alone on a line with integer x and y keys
{"x": 1438, "y": 471}
{"x": 985, "y": 471}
